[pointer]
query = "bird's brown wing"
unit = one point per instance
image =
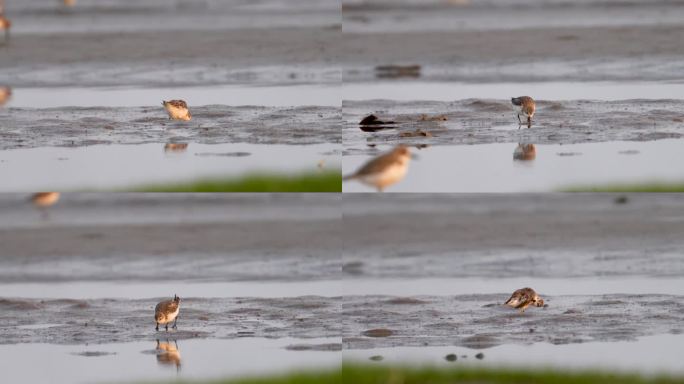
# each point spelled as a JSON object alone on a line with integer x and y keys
{"x": 178, "y": 103}
{"x": 168, "y": 306}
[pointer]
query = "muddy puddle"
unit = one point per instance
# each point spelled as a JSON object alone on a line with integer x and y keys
{"x": 526, "y": 167}
{"x": 129, "y": 166}
{"x": 165, "y": 359}
{"x": 645, "y": 355}
{"x": 479, "y": 321}
{"x": 267, "y": 96}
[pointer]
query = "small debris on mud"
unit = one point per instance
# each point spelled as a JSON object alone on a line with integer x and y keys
{"x": 373, "y": 120}
{"x": 93, "y": 353}
{"x": 379, "y": 332}
{"x": 629, "y": 152}
{"x": 417, "y": 133}
{"x": 621, "y": 200}
{"x": 397, "y": 71}
{"x": 376, "y": 358}
{"x": 426, "y": 117}
{"x": 479, "y": 356}
{"x": 450, "y": 357}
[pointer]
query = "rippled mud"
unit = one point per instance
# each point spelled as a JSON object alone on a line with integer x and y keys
{"x": 476, "y": 121}
{"x": 68, "y": 321}
{"x": 480, "y": 321}
{"x": 215, "y": 124}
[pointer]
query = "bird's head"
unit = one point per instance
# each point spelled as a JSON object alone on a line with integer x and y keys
{"x": 176, "y": 299}
{"x": 538, "y": 301}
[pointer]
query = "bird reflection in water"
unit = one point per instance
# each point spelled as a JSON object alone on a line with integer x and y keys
{"x": 168, "y": 354}
{"x": 175, "y": 147}
{"x": 525, "y": 152}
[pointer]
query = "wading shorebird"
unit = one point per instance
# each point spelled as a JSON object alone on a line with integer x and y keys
{"x": 384, "y": 170}
{"x": 43, "y": 200}
{"x": 69, "y": 3}
{"x": 523, "y": 298}
{"x": 527, "y": 107}
{"x": 166, "y": 312}
{"x": 5, "y": 95}
{"x": 177, "y": 110}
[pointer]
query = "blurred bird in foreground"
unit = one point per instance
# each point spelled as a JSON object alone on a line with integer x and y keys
{"x": 384, "y": 170}
{"x": 43, "y": 200}
{"x": 5, "y": 95}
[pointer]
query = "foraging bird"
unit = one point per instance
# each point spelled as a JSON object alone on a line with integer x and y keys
{"x": 523, "y": 298}
{"x": 525, "y": 152}
{"x": 5, "y": 95}
{"x": 43, "y": 200}
{"x": 384, "y": 170}
{"x": 527, "y": 108}
{"x": 69, "y": 3}
{"x": 177, "y": 110}
{"x": 166, "y": 312}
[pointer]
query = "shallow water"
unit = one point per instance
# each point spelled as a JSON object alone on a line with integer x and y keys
{"x": 648, "y": 354}
{"x": 123, "y": 166}
{"x": 548, "y": 90}
{"x": 138, "y": 361}
{"x": 273, "y": 96}
{"x": 140, "y": 290}
{"x": 492, "y": 167}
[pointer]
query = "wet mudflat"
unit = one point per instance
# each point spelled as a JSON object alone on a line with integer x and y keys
{"x": 494, "y": 41}
{"x": 485, "y": 121}
{"x": 216, "y": 124}
{"x": 192, "y": 237}
{"x": 90, "y": 321}
{"x": 550, "y": 236}
{"x": 164, "y": 360}
{"x": 480, "y": 322}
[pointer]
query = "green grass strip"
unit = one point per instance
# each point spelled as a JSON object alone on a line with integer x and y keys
{"x": 328, "y": 181}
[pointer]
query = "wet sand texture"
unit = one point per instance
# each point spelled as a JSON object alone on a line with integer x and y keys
{"x": 477, "y": 121}
{"x": 115, "y": 320}
{"x": 213, "y": 124}
{"x": 544, "y": 235}
{"x": 139, "y": 237}
{"x": 157, "y": 43}
{"x": 479, "y": 321}
{"x": 515, "y": 40}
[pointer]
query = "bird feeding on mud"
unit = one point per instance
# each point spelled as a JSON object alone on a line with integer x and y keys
{"x": 523, "y": 298}
{"x": 177, "y": 110}
{"x": 43, "y": 200}
{"x": 384, "y": 170}
{"x": 527, "y": 108}
{"x": 5, "y": 26}
{"x": 166, "y": 312}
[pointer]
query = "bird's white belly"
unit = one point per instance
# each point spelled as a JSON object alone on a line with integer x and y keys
{"x": 176, "y": 113}
{"x": 389, "y": 176}
{"x": 170, "y": 316}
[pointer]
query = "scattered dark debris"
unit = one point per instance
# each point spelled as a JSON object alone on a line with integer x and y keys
{"x": 479, "y": 356}
{"x": 397, "y": 71}
{"x": 378, "y": 332}
{"x": 376, "y": 358}
{"x": 417, "y": 133}
{"x": 621, "y": 200}
{"x": 451, "y": 357}
{"x": 426, "y": 117}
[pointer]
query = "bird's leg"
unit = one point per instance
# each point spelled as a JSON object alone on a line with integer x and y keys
{"x": 167, "y": 327}
{"x": 529, "y": 121}
{"x": 519, "y": 121}
{"x": 174, "y": 323}
{"x": 157, "y": 329}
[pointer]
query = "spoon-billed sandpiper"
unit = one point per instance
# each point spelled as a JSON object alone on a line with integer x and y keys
{"x": 527, "y": 107}
{"x": 384, "y": 170}
{"x": 523, "y": 298}
{"x": 5, "y": 95}
{"x": 166, "y": 312}
{"x": 177, "y": 110}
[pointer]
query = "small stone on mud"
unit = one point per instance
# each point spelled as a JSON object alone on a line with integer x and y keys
{"x": 204, "y": 318}
{"x": 376, "y": 358}
{"x": 479, "y": 356}
{"x": 373, "y": 120}
{"x": 379, "y": 332}
{"x": 450, "y": 357}
{"x": 531, "y": 330}
{"x": 621, "y": 200}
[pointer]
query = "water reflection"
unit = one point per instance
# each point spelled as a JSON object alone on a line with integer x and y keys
{"x": 175, "y": 147}
{"x": 168, "y": 354}
{"x": 525, "y": 152}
